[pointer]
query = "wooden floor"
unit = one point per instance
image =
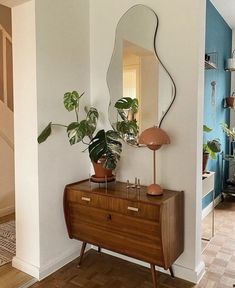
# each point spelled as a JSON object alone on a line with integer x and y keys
{"x": 101, "y": 270}
{"x": 13, "y": 278}
{"x": 9, "y": 276}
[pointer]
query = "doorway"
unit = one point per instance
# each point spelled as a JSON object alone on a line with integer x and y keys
{"x": 7, "y": 193}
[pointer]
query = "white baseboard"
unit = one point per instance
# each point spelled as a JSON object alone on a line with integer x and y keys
{"x": 25, "y": 267}
{"x": 7, "y": 211}
{"x": 181, "y": 272}
{"x": 42, "y": 272}
{"x": 59, "y": 262}
{"x": 208, "y": 208}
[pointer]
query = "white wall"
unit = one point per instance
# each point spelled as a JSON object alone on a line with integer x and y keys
{"x": 180, "y": 44}
{"x": 62, "y": 35}
{"x": 51, "y": 57}
{"x": 26, "y": 148}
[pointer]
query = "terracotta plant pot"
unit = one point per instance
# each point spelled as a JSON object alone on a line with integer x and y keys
{"x": 230, "y": 101}
{"x": 100, "y": 171}
{"x": 204, "y": 161}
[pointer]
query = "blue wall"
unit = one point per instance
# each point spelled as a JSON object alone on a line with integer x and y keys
{"x": 218, "y": 39}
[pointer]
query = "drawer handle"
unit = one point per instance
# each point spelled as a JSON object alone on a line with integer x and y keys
{"x": 86, "y": 199}
{"x": 133, "y": 209}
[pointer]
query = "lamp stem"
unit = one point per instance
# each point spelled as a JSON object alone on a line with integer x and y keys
{"x": 154, "y": 166}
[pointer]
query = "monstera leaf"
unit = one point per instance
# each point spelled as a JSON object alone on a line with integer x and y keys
{"x": 45, "y": 133}
{"x": 107, "y": 145}
{"x": 124, "y": 103}
{"x": 128, "y": 127}
{"x": 71, "y": 100}
{"x": 127, "y": 103}
{"x": 79, "y": 130}
{"x": 76, "y": 132}
{"x": 91, "y": 119}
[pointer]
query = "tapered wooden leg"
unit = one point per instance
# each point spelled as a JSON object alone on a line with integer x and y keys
{"x": 82, "y": 253}
{"x": 154, "y": 276}
{"x": 172, "y": 272}
{"x": 99, "y": 249}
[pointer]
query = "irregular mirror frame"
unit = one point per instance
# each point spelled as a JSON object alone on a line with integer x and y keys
{"x": 136, "y": 72}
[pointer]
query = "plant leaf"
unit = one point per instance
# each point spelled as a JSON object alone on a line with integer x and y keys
{"x": 122, "y": 114}
{"x": 45, "y": 133}
{"x": 128, "y": 127}
{"x": 114, "y": 149}
{"x": 71, "y": 100}
{"x": 214, "y": 145}
{"x": 135, "y": 105}
{"x": 206, "y": 129}
{"x": 124, "y": 103}
{"x": 92, "y": 118}
{"x": 76, "y": 132}
{"x": 106, "y": 144}
{"x": 229, "y": 132}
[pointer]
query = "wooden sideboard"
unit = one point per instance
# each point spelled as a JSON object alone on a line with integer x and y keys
{"x": 127, "y": 221}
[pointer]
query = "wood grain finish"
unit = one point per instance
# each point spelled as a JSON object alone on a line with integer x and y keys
{"x": 126, "y": 221}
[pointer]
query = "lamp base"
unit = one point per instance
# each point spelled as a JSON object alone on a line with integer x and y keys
{"x": 154, "y": 190}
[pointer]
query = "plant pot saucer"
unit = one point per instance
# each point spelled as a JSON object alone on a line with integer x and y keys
{"x": 102, "y": 180}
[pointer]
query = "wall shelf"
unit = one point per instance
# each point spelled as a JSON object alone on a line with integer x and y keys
{"x": 210, "y": 65}
{"x": 212, "y": 62}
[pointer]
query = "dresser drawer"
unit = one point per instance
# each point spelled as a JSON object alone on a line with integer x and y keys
{"x": 126, "y": 207}
{"x": 147, "y": 231}
{"x": 135, "y": 209}
{"x": 87, "y": 199}
{"x": 123, "y": 234}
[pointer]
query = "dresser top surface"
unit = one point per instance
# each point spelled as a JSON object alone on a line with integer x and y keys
{"x": 119, "y": 190}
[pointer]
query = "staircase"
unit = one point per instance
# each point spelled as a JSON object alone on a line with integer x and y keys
{"x": 6, "y": 125}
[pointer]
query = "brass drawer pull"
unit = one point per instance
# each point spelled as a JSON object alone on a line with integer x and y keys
{"x": 86, "y": 199}
{"x": 133, "y": 209}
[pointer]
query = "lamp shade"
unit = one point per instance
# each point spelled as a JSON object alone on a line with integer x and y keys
{"x": 154, "y": 138}
{"x": 230, "y": 64}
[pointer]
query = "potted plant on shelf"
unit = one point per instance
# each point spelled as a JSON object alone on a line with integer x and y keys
{"x": 230, "y": 101}
{"x": 230, "y": 133}
{"x": 104, "y": 147}
{"x": 210, "y": 148}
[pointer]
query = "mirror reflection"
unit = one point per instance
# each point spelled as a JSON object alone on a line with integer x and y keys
{"x": 141, "y": 89}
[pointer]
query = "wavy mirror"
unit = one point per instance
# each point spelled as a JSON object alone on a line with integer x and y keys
{"x": 141, "y": 89}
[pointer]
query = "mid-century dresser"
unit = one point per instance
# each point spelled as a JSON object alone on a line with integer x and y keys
{"x": 127, "y": 221}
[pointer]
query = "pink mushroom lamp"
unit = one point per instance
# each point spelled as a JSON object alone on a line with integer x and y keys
{"x": 154, "y": 138}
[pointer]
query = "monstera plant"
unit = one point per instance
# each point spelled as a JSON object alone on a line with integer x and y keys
{"x": 104, "y": 147}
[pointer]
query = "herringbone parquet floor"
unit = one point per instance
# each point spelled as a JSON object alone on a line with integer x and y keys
{"x": 101, "y": 270}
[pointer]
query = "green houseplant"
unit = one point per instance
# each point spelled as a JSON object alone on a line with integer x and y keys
{"x": 126, "y": 124}
{"x": 210, "y": 148}
{"x": 229, "y": 132}
{"x": 104, "y": 147}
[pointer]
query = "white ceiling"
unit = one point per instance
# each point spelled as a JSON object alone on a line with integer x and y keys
{"x": 12, "y": 3}
{"x": 227, "y": 9}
